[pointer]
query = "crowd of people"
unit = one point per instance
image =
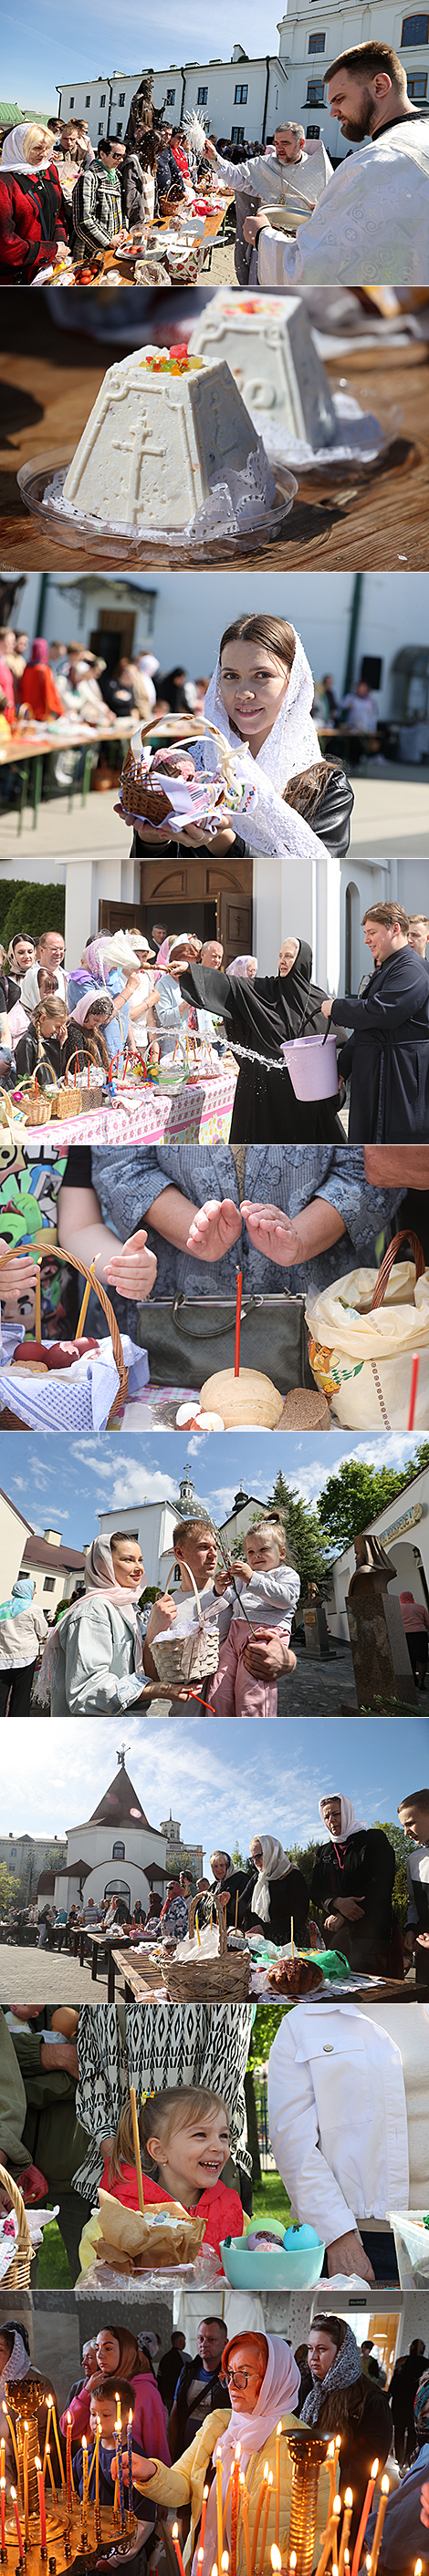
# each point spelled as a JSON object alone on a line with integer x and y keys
{"x": 359, "y": 223}
{"x": 59, "y": 191}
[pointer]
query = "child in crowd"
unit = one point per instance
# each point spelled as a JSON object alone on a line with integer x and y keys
{"x": 184, "y": 2140}
{"x": 271, "y": 1589}
{"x": 104, "y": 2408}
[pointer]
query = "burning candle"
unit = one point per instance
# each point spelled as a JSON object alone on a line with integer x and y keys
{"x": 219, "y": 2514}
{"x": 26, "y": 2511}
{"x": 328, "y": 2537}
{"x": 42, "y": 2506}
{"x": 277, "y": 2520}
{"x": 234, "y": 2506}
{"x": 58, "y": 2444}
{"x": 259, "y": 2508}
{"x": 265, "y": 2521}
{"x": 413, "y": 1388}
{"x": 45, "y": 2454}
{"x": 203, "y": 2520}
{"x": 336, "y": 2512}
{"x": 118, "y": 2448}
{"x": 85, "y": 2476}
{"x": 331, "y": 2464}
{"x": 366, "y": 2509}
{"x": 49, "y": 2465}
{"x": 347, "y": 2515}
{"x": 225, "y": 2562}
{"x": 375, "y": 2552}
{"x": 130, "y": 2460}
{"x": 12, "y": 2435}
{"x": 292, "y": 2560}
{"x": 238, "y": 1322}
{"x": 85, "y": 1300}
{"x": 14, "y": 2501}
{"x": 176, "y": 2546}
{"x": 3, "y": 2508}
{"x": 69, "y": 2471}
{"x": 418, "y": 2567}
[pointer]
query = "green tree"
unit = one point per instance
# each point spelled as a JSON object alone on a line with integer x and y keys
{"x": 9, "y": 1889}
{"x": 31, "y": 907}
{"x": 301, "y": 1525}
{"x": 352, "y": 1498}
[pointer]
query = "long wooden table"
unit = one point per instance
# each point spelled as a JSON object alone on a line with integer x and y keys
{"x": 379, "y": 521}
{"x": 28, "y": 754}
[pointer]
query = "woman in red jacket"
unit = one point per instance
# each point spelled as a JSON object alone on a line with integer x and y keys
{"x": 184, "y": 2139}
{"x": 32, "y": 213}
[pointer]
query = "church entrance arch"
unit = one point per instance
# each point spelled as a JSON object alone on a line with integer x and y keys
{"x": 118, "y": 1887}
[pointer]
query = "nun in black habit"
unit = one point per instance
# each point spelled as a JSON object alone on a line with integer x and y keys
{"x": 258, "y": 1017}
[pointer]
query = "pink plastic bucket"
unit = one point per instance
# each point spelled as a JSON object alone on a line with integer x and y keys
{"x": 312, "y": 1064}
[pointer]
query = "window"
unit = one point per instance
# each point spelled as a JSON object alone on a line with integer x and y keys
{"x": 121, "y": 99}
{"x": 118, "y": 1852}
{"x": 416, "y": 85}
{"x": 316, "y": 44}
{"x": 103, "y": 98}
{"x": 72, "y": 102}
{"x": 119, "y": 132}
{"x": 313, "y": 133}
{"x": 49, "y": 1583}
{"x": 101, "y": 127}
{"x": 202, "y": 97}
{"x": 237, "y": 134}
{"x": 315, "y": 93}
{"x": 170, "y": 97}
{"x": 88, "y": 99}
{"x": 241, "y": 94}
{"x": 415, "y": 31}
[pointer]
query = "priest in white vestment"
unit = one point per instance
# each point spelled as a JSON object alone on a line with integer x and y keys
{"x": 371, "y": 225}
{"x": 293, "y": 169}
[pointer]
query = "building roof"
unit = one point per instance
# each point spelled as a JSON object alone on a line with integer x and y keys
{"x": 6, "y": 1498}
{"x": 74, "y": 1869}
{"x": 120, "y": 1805}
{"x": 46, "y": 1882}
{"x": 38, "y": 1551}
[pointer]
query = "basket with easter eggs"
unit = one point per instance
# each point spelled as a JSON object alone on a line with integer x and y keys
{"x": 47, "y": 1383}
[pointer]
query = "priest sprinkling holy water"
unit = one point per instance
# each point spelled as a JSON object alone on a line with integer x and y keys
{"x": 371, "y": 224}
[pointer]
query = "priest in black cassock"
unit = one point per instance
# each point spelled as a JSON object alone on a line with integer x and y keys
{"x": 389, "y": 1052}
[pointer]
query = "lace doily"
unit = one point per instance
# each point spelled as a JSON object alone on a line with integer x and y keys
{"x": 240, "y": 502}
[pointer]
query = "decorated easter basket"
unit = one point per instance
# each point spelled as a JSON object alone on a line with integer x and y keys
{"x": 202, "y": 1979}
{"x": 218, "y": 793}
{"x": 36, "y": 1106}
{"x": 59, "y": 1382}
{"x": 191, "y": 1658}
{"x": 18, "y": 2272}
{"x": 366, "y": 1375}
{"x": 137, "y": 794}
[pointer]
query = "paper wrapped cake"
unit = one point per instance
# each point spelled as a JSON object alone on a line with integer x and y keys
{"x": 270, "y": 350}
{"x": 134, "y": 2240}
{"x": 163, "y": 433}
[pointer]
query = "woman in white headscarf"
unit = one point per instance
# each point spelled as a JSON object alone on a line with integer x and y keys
{"x": 275, "y": 1894}
{"x": 352, "y": 1884}
{"x": 262, "y": 2385}
{"x": 32, "y": 224}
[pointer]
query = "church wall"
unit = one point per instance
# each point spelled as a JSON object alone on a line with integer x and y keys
{"x": 94, "y": 1843}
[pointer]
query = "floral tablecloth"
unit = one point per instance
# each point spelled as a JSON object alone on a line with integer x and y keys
{"x": 199, "y": 1114}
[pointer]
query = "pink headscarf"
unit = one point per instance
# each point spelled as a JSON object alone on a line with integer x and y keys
{"x": 99, "y": 1577}
{"x": 95, "y": 954}
{"x": 163, "y": 953}
{"x": 40, "y": 651}
{"x": 86, "y": 1003}
{"x": 240, "y": 966}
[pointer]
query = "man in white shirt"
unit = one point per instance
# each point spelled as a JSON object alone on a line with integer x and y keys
{"x": 348, "y": 2095}
{"x": 272, "y": 177}
{"x": 371, "y": 225}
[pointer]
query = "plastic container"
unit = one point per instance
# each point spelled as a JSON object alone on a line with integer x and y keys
{"x": 412, "y": 2247}
{"x": 104, "y": 544}
{"x": 312, "y": 1064}
{"x": 271, "y": 2269}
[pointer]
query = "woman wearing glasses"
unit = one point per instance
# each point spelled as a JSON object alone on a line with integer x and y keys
{"x": 262, "y": 2385}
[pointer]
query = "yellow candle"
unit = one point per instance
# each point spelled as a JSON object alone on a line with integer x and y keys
{"x": 265, "y": 2522}
{"x": 219, "y": 2515}
{"x": 12, "y": 2435}
{"x": 245, "y": 2513}
{"x": 291, "y": 1935}
{"x": 327, "y": 2538}
{"x": 50, "y": 2468}
{"x": 278, "y": 2433}
{"x": 345, "y": 2529}
{"x": 336, "y": 2513}
{"x": 38, "y": 1318}
{"x": 366, "y": 2509}
{"x": 138, "y": 2161}
{"x": 375, "y": 2552}
{"x": 197, "y": 1928}
{"x": 58, "y": 2444}
{"x": 97, "y": 2465}
{"x": 85, "y": 1301}
{"x": 85, "y": 2473}
{"x": 45, "y": 2454}
{"x": 331, "y": 2464}
{"x": 26, "y": 2513}
{"x": 260, "y": 2503}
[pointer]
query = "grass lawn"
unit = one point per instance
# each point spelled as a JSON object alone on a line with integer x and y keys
{"x": 53, "y": 2268}
{"x": 270, "y": 2200}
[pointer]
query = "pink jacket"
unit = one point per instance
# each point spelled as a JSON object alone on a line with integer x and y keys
{"x": 149, "y": 2423}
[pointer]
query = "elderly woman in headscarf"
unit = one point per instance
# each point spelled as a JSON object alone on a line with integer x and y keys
{"x": 21, "y": 1631}
{"x": 343, "y": 2400}
{"x": 117, "y": 2352}
{"x": 95, "y": 1659}
{"x": 37, "y": 688}
{"x": 352, "y": 1884}
{"x": 275, "y": 1894}
{"x": 261, "y": 2391}
{"x": 32, "y": 221}
{"x": 15, "y": 2365}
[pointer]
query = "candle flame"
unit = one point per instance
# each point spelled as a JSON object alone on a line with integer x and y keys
{"x": 338, "y": 2443}
{"x": 68, "y": 2415}
{"x": 278, "y": 2429}
{"x": 175, "y": 2531}
{"x": 130, "y": 2415}
{"x": 385, "y": 2486}
{"x": 292, "y": 2560}
{"x": 13, "y": 2496}
{"x": 418, "y": 2567}
{"x": 330, "y": 2455}
{"x": 348, "y": 2499}
{"x": 200, "y": 2556}
{"x": 225, "y": 2561}
{"x": 237, "y": 2452}
{"x": 276, "y": 2561}
{"x": 37, "y": 2465}
{"x": 336, "y": 2508}
{"x": 266, "y": 2471}
{"x": 374, "y": 2470}
{"x": 84, "y": 2443}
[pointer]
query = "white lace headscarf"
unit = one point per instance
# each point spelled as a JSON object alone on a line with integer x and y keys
{"x": 292, "y": 745}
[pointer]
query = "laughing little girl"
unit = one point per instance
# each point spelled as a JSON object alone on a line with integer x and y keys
{"x": 184, "y": 2141}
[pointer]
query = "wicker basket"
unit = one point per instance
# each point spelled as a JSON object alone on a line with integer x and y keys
{"x": 18, "y": 2275}
{"x": 67, "y": 1102}
{"x": 201, "y": 1980}
{"x": 53, "y": 1253}
{"x": 137, "y": 794}
{"x": 188, "y": 1659}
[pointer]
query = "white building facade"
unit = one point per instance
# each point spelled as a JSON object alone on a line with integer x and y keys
{"x": 245, "y": 97}
{"x": 116, "y": 1852}
{"x": 403, "y": 1530}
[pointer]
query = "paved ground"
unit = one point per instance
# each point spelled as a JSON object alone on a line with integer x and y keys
{"x": 49, "y": 1976}
{"x": 385, "y": 819}
{"x": 319, "y": 1688}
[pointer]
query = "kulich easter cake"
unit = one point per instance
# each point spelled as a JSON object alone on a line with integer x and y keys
{"x": 163, "y": 433}
{"x": 273, "y": 358}
{"x": 248, "y": 1399}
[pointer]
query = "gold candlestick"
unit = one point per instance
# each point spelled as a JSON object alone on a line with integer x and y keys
{"x": 307, "y": 2452}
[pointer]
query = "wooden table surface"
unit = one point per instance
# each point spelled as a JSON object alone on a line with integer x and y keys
{"x": 381, "y": 521}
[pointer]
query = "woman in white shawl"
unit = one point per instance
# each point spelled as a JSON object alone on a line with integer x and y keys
{"x": 32, "y": 224}
{"x": 352, "y": 1884}
{"x": 262, "y": 2386}
{"x": 275, "y": 1894}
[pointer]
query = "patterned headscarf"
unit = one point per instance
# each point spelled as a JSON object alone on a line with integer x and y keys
{"x": 346, "y": 2369}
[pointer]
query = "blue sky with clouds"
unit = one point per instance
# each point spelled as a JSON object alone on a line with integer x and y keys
{"x": 42, "y": 47}
{"x": 212, "y": 1777}
{"x": 66, "y": 1493}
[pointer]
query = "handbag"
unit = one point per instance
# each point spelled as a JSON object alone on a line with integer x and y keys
{"x": 188, "y": 1338}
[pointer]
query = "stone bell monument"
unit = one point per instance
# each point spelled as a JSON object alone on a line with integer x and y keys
{"x": 381, "y": 1661}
